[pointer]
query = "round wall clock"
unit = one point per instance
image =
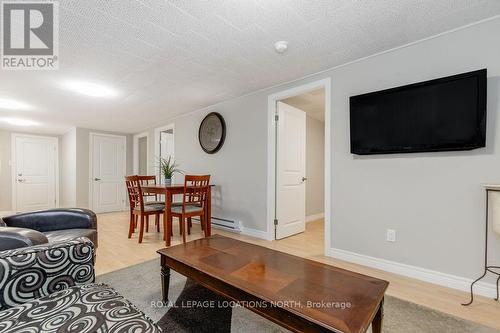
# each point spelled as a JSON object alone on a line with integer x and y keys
{"x": 212, "y": 133}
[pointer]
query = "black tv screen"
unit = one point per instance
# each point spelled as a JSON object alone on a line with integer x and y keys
{"x": 437, "y": 115}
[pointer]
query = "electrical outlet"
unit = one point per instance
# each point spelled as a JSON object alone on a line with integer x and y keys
{"x": 391, "y": 235}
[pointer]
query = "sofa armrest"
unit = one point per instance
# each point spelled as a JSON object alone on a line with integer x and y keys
{"x": 36, "y": 271}
{"x": 13, "y": 238}
{"x": 54, "y": 219}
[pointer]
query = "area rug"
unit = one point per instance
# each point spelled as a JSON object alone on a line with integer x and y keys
{"x": 189, "y": 309}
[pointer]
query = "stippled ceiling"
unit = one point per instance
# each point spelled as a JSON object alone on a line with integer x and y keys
{"x": 171, "y": 57}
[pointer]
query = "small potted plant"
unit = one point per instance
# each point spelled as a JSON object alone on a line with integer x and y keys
{"x": 168, "y": 167}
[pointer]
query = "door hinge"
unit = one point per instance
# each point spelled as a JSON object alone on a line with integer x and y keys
{"x": 275, "y": 221}
{"x": 276, "y": 117}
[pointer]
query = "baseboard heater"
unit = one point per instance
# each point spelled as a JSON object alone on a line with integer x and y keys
{"x": 222, "y": 223}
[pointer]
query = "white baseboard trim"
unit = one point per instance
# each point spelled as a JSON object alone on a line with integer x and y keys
{"x": 216, "y": 226}
{"x": 424, "y": 274}
{"x": 254, "y": 233}
{"x": 315, "y": 217}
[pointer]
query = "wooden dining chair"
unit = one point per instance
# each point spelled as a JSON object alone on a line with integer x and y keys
{"x": 144, "y": 180}
{"x": 138, "y": 210}
{"x": 149, "y": 180}
{"x": 194, "y": 201}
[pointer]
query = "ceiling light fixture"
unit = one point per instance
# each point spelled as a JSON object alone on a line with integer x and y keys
{"x": 10, "y": 104}
{"x": 20, "y": 122}
{"x": 90, "y": 89}
{"x": 281, "y": 46}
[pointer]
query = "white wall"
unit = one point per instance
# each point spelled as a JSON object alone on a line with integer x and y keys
{"x": 315, "y": 166}
{"x": 68, "y": 169}
{"x": 238, "y": 169}
{"x": 5, "y": 171}
{"x": 433, "y": 200}
{"x": 142, "y": 146}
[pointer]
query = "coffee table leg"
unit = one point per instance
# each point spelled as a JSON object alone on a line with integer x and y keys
{"x": 165, "y": 283}
{"x": 377, "y": 321}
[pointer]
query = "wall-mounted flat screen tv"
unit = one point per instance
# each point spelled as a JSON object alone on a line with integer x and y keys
{"x": 438, "y": 115}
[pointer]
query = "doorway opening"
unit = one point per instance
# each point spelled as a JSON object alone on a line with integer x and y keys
{"x": 164, "y": 146}
{"x": 299, "y": 187}
{"x": 141, "y": 154}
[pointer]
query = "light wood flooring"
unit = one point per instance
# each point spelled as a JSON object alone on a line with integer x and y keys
{"x": 116, "y": 251}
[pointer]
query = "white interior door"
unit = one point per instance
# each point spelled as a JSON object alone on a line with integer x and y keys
{"x": 35, "y": 168}
{"x": 107, "y": 172}
{"x": 291, "y": 171}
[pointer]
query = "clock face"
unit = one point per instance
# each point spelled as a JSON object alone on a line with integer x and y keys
{"x": 212, "y": 133}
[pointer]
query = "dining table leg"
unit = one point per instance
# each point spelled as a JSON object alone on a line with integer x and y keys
{"x": 167, "y": 218}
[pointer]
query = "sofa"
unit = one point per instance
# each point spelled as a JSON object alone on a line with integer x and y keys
{"x": 50, "y": 287}
{"x": 47, "y": 226}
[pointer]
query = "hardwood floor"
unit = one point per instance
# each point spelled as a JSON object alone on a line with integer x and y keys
{"x": 116, "y": 251}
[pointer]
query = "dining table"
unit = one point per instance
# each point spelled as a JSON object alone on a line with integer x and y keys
{"x": 169, "y": 191}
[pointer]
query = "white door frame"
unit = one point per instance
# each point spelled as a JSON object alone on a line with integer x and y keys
{"x": 271, "y": 154}
{"x": 91, "y": 160}
{"x": 135, "y": 152}
{"x": 14, "y": 136}
{"x": 158, "y": 130}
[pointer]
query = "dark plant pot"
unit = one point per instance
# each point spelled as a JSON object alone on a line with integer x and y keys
{"x": 168, "y": 181}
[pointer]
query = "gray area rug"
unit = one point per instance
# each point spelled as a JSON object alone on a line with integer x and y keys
{"x": 141, "y": 285}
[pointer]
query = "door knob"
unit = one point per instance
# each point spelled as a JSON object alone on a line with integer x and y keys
{"x": 304, "y": 179}
{"x": 97, "y": 179}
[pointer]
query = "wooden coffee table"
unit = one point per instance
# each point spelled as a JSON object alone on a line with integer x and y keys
{"x": 299, "y": 294}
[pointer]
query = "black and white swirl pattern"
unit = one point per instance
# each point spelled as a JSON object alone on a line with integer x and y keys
{"x": 36, "y": 271}
{"x": 82, "y": 309}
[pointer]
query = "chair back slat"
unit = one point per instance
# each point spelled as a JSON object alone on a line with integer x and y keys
{"x": 134, "y": 190}
{"x": 195, "y": 190}
{"x": 147, "y": 180}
